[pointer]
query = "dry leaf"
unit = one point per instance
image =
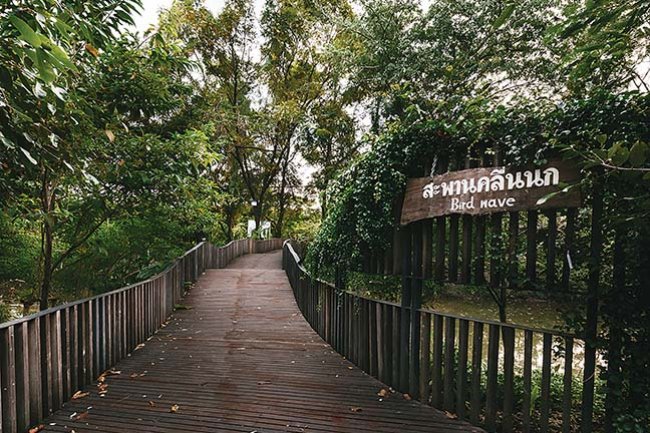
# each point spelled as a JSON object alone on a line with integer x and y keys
{"x": 92, "y": 50}
{"x": 383, "y": 393}
{"x": 37, "y": 428}
{"x": 152, "y": 404}
{"x": 110, "y": 135}
{"x": 174, "y": 408}
{"x": 355, "y": 409}
{"x": 139, "y": 346}
{"x": 80, "y": 394}
{"x": 81, "y": 416}
{"x": 264, "y": 382}
{"x": 407, "y": 397}
{"x": 451, "y": 415}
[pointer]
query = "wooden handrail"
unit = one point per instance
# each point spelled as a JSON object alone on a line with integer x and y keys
{"x": 47, "y": 356}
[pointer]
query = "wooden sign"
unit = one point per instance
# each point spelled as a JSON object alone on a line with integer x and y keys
{"x": 487, "y": 190}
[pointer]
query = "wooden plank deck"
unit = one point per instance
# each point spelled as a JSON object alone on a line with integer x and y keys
{"x": 241, "y": 358}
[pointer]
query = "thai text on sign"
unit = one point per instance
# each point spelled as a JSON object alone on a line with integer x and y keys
{"x": 486, "y": 190}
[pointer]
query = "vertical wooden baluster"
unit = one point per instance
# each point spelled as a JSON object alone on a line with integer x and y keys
{"x": 388, "y": 345}
{"x": 567, "y": 385}
{"x": 425, "y": 358}
{"x": 436, "y": 375}
{"x": 8, "y": 379}
{"x": 545, "y": 407}
{"x": 461, "y": 371}
{"x": 448, "y": 377}
{"x": 74, "y": 349}
{"x": 407, "y": 283}
{"x": 66, "y": 352}
{"x": 397, "y": 320}
{"x": 35, "y": 375}
{"x": 372, "y": 326}
{"x": 477, "y": 363}
{"x": 381, "y": 363}
{"x": 527, "y": 380}
{"x": 55, "y": 348}
{"x": 21, "y": 337}
{"x": 46, "y": 365}
{"x": 509, "y": 376}
{"x": 492, "y": 373}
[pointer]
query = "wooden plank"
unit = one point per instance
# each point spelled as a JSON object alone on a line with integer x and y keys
{"x": 46, "y": 364}
{"x": 567, "y": 383}
{"x": 425, "y": 358}
{"x": 8, "y": 379}
{"x": 373, "y": 336}
{"x": 492, "y": 373}
{"x": 56, "y": 381}
{"x": 461, "y": 369}
{"x": 449, "y": 367}
{"x": 23, "y": 410}
{"x": 436, "y": 375}
{"x": 508, "y": 378}
{"x": 545, "y": 393}
{"x": 35, "y": 375}
{"x": 477, "y": 364}
{"x": 397, "y": 320}
{"x": 527, "y": 381}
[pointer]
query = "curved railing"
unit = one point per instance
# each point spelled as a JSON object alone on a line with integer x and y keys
{"x": 46, "y": 357}
{"x": 482, "y": 371}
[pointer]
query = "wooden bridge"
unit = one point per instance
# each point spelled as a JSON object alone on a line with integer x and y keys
{"x": 235, "y": 355}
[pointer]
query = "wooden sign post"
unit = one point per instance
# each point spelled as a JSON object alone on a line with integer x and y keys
{"x": 486, "y": 190}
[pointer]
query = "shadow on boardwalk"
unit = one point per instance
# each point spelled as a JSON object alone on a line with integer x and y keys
{"x": 241, "y": 358}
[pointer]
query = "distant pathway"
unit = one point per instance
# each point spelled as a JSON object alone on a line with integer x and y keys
{"x": 241, "y": 358}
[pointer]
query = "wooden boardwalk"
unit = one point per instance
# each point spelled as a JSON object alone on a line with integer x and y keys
{"x": 241, "y": 358}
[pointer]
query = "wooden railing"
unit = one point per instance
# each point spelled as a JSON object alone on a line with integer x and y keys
{"x": 46, "y": 357}
{"x": 481, "y": 371}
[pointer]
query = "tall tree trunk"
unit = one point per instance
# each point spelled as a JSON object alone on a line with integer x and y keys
{"x": 47, "y": 199}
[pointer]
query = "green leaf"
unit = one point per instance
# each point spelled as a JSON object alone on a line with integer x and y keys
{"x": 26, "y": 32}
{"x": 619, "y": 154}
{"x": 62, "y": 57}
{"x": 507, "y": 13}
{"x": 28, "y": 155}
{"x": 45, "y": 71}
{"x": 602, "y": 138}
{"x": 638, "y": 154}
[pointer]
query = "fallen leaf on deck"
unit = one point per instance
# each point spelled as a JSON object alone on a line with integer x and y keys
{"x": 407, "y": 397}
{"x": 174, "y": 408}
{"x": 82, "y": 415}
{"x": 451, "y": 415}
{"x": 139, "y": 346}
{"x": 356, "y": 409}
{"x": 383, "y": 393}
{"x": 151, "y": 403}
{"x": 264, "y": 382}
{"x": 37, "y": 428}
{"x": 80, "y": 394}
